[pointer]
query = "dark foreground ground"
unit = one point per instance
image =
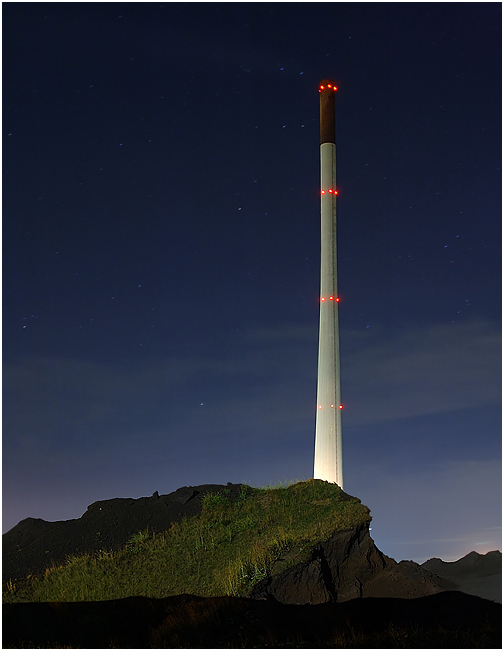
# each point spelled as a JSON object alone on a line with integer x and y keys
{"x": 444, "y": 620}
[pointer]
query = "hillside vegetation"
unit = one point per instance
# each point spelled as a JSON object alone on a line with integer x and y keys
{"x": 225, "y": 550}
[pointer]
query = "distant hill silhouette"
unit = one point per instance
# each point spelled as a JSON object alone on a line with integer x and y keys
{"x": 476, "y": 574}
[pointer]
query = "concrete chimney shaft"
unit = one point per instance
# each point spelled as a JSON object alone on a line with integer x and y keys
{"x": 328, "y": 462}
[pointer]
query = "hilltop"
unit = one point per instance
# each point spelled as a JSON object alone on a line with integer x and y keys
{"x": 307, "y": 543}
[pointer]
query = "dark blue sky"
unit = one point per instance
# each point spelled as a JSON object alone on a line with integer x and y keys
{"x": 161, "y": 256}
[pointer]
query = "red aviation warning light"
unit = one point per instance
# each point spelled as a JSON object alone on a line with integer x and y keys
{"x": 322, "y": 87}
{"x": 341, "y": 406}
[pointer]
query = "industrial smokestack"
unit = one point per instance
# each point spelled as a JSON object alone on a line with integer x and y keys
{"x": 328, "y": 463}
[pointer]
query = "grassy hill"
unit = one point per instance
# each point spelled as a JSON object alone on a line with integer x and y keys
{"x": 225, "y": 550}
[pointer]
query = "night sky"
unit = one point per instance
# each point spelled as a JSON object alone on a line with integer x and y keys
{"x": 161, "y": 225}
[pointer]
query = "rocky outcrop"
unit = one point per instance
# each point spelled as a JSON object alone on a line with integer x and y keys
{"x": 349, "y": 566}
{"x": 346, "y": 566}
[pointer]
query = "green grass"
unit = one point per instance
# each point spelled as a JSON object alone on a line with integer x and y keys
{"x": 225, "y": 550}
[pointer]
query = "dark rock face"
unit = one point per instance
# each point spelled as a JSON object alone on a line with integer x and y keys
{"x": 349, "y": 566}
{"x": 33, "y": 544}
{"x": 301, "y": 584}
{"x": 353, "y": 560}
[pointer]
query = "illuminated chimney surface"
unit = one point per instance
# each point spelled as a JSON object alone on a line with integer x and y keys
{"x": 328, "y": 464}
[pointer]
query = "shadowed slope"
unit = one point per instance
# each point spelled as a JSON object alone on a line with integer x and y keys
{"x": 33, "y": 544}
